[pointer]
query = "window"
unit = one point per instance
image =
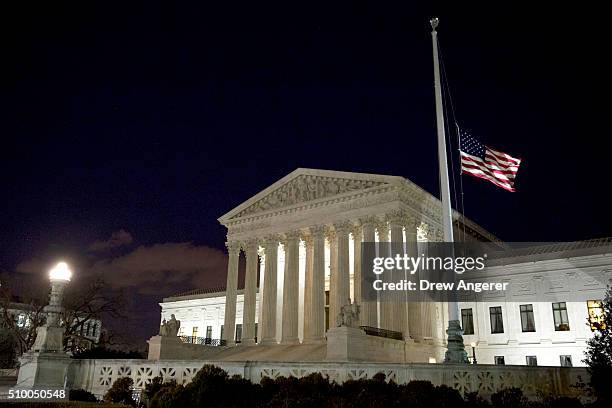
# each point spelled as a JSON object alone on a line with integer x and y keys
{"x": 566, "y": 361}
{"x": 532, "y": 360}
{"x": 87, "y": 329}
{"x": 596, "y": 314}
{"x": 208, "y": 338}
{"x": 527, "y": 320}
{"x": 467, "y": 321}
{"x": 94, "y": 330}
{"x": 499, "y": 360}
{"x": 194, "y": 333}
{"x": 238, "y": 333}
{"x": 256, "y": 331}
{"x": 497, "y": 321}
{"x": 560, "y": 316}
{"x": 21, "y": 320}
{"x": 221, "y": 334}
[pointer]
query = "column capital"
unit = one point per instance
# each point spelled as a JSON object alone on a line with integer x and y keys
{"x": 233, "y": 247}
{"x": 270, "y": 240}
{"x": 330, "y": 233}
{"x": 343, "y": 227}
{"x": 382, "y": 227}
{"x": 317, "y": 230}
{"x": 292, "y": 236}
{"x": 250, "y": 244}
{"x": 308, "y": 240}
{"x": 424, "y": 232}
{"x": 357, "y": 231}
{"x": 369, "y": 220}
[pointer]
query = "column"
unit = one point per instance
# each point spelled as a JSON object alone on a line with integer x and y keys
{"x": 315, "y": 332}
{"x": 250, "y": 293}
{"x": 369, "y": 308}
{"x": 268, "y": 304}
{"x": 231, "y": 291}
{"x": 343, "y": 288}
{"x": 308, "y": 283}
{"x": 333, "y": 274}
{"x": 398, "y": 305}
{"x": 385, "y": 304}
{"x": 291, "y": 289}
{"x": 415, "y": 319}
{"x": 357, "y": 233}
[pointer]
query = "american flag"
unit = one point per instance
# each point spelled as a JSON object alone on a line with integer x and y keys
{"x": 481, "y": 161}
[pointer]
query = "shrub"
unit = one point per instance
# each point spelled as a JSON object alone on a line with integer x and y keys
{"x": 121, "y": 392}
{"x": 509, "y": 398}
{"x": 81, "y": 395}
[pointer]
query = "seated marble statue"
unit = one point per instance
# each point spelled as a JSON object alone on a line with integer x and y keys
{"x": 349, "y": 315}
{"x": 170, "y": 328}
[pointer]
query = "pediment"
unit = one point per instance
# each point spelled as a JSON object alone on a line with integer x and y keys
{"x": 305, "y": 186}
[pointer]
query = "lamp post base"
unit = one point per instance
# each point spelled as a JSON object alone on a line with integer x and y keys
{"x": 39, "y": 370}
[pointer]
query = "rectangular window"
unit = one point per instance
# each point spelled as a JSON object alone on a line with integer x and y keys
{"x": 497, "y": 321}
{"x": 208, "y": 338}
{"x": 87, "y": 329}
{"x": 532, "y": 360}
{"x": 194, "y": 334}
{"x": 326, "y": 310}
{"x": 560, "y": 316}
{"x": 499, "y": 360}
{"x": 596, "y": 314}
{"x": 21, "y": 319}
{"x": 256, "y": 331}
{"x": 527, "y": 320}
{"x": 221, "y": 333}
{"x": 566, "y": 361}
{"x": 467, "y": 321}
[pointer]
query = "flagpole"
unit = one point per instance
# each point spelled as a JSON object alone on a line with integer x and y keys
{"x": 455, "y": 352}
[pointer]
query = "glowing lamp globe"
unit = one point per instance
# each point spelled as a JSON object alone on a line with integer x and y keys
{"x": 473, "y": 344}
{"x": 61, "y": 272}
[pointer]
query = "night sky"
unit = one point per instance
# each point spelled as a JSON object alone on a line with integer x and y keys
{"x": 127, "y": 130}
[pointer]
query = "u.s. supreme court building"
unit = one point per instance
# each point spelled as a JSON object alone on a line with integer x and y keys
{"x": 302, "y": 241}
{"x": 302, "y": 238}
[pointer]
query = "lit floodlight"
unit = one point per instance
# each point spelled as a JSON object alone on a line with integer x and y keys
{"x": 60, "y": 272}
{"x": 473, "y": 344}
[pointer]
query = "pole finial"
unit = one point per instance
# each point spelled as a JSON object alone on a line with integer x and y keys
{"x": 434, "y": 23}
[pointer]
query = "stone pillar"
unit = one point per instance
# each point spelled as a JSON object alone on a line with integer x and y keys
{"x": 250, "y": 293}
{"x": 333, "y": 274}
{"x": 268, "y": 315}
{"x": 291, "y": 289}
{"x": 308, "y": 282}
{"x": 357, "y": 236}
{"x": 343, "y": 284}
{"x": 369, "y": 309}
{"x": 231, "y": 292}
{"x": 315, "y": 332}
{"x": 386, "y": 310}
{"x": 398, "y": 305}
{"x": 415, "y": 317}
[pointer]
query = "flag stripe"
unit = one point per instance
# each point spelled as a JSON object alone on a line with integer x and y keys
{"x": 486, "y": 163}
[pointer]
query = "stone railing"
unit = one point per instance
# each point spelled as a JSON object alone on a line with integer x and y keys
{"x": 205, "y": 341}
{"x": 97, "y": 376}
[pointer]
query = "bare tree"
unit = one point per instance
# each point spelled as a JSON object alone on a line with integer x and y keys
{"x": 90, "y": 302}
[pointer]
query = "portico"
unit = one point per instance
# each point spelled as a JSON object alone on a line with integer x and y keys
{"x": 304, "y": 234}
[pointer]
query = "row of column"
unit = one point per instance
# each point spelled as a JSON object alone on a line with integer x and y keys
{"x": 397, "y": 316}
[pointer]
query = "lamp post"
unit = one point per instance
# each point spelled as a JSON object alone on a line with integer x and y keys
{"x": 45, "y": 365}
{"x": 473, "y": 352}
{"x": 50, "y": 336}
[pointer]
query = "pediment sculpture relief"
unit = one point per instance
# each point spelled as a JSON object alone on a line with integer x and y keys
{"x": 306, "y": 188}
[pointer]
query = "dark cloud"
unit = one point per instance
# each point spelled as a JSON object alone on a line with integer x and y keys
{"x": 117, "y": 239}
{"x": 158, "y": 268}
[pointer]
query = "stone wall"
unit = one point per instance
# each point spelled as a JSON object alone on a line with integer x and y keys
{"x": 97, "y": 376}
